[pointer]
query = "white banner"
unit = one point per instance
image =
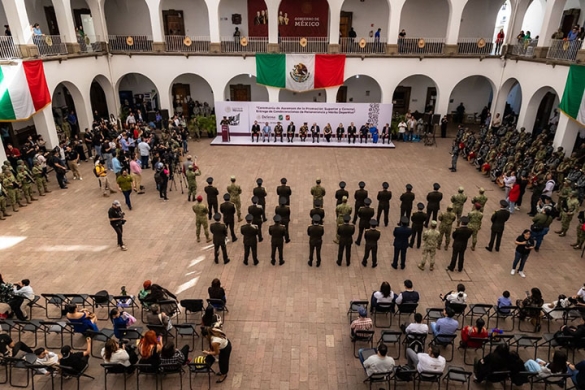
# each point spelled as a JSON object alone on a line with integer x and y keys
{"x": 243, "y": 114}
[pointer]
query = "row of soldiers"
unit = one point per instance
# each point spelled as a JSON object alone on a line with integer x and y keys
{"x": 16, "y": 186}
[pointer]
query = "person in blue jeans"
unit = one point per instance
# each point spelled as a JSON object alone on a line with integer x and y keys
{"x": 446, "y": 325}
{"x": 577, "y": 372}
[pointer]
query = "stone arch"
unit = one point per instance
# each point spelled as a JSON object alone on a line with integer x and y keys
{"x": 66, "y": 97}
{"x": 475, "y": 92}
{"x": 118, "y": 13}
{"x": 198, "y": 89}
{"x": 415, "y": 87}
{"x": 242, "y": 83}
{"x": 248, "y": 27}
{"x": 361, "y": 89}
{"x": 133, "y": 83}
{"x": 510, "y": 86}
{"x": 478, "y": 19}
{"x": 364, "y": 17}
{"x": 101, "y": 82}
{"x": 424, "y": 19}
{"x": 536, "y": 115}
{"x": 195, "y": 16}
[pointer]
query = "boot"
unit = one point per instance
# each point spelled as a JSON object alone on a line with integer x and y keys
{"x": 439, "y": 246}
{"x": 446, "y": 247}
{"x": 2, "y": 216}
{"x": 6, "y": 214}
{"x": 208, "y": 240}
{"x": 14, "y": 208}
{"x": 189, "y": 198}
{"x": 20, "y": 204}
{"x": 473, "y": 247}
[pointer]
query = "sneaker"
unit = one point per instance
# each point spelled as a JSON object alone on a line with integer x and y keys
{"x": 123, "y": 247}
{"x": 521, "y": 274}
{"x": 516, "y": 208}
{"x": 512, "y": 272}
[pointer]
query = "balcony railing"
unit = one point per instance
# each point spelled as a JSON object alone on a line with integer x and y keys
{"x": 8, "y": 49}
{"x": 471, "y": 46}
{"x": 90, "y": 44}
{"x": 182, "y": 44}
{"x": 563, "y": 50}
{"x": 251, "y": 45}
{"x": 130, "y": 43}
{"x": 354, "y": 45}
{"x": 421, "y": 45}
{"x": 524, "y": 48}
{"x": 304, "y": 45}
{"x": 50, "y": 45}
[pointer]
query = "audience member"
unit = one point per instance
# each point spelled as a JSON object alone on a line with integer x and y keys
{"x": 210, "y": 319}
{"x": 221, "y": 347}
{"x": 157, "y": 317}
{"x": 384, "y": 295}
{"x": 577, "y": 372}
{"x": 82, "y": 320}
{"x": 426, "y": 362}
{"x": 115, "y": 353}
{"x": 216, "y": 291}
{"x": 503, "y": 302}
{"x": 172, "y": 356}
{"x": 76, "y": 362}
{"x": 378, "y": 363}
{"x": 149, "y": 348}
{"x": 501, "y": 359}
{"x": 47, "y": 359}
{"x": 458, "y": 296}
{"x": 408, "y": 295}
{"x": 473, "y": 332}
{"x": 446, "y": 325}
{"x": 119, "y": 322}
{"x": 558, "y": 365}
{"x": 531, "y": 307}
{"x": 416, "y": 327}
{"x": 361, "y": 323}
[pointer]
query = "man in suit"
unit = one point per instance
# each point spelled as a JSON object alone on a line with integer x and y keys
{"x": 345, "y": 233}
{"x": 406, "y": 201}
{"x": 315, "y": 132}
{"x": 212, "y": 194}
{"x": 260, "y": 193}
{"x": 418, "y": 219}
{"x": 284, "y": 211}
{"x": 256, "y": 212}
{"x": 340, "y": 193}
{"x": 366, "y": 213}
{"x": 284, "y": 191}
{"x": 255, "y": 131}
{"x": 318, "y": 210}
{"x": 228, "y": 209}
{"x": 499, "y": 219}
{"x": 220, "y": 232}
{"x": 364, "y": 132}
{"x": 351, "y": 133}
{"x": 277, "y": 232}
{"x": 250, "y": 232}
{"x": 401, "y": 235}
{"x": 315, "y": 231}
{"x": 384, "y": 197}
{"x": 460, "y": 237}
{"x": 372, "y": 235}
{"x": 433, "y": 203}
{"x": 359, "y": 197}
{"x": 290, "y": 132}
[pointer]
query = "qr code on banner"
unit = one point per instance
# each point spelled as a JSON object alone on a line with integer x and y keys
{"x": 373, "y": 114}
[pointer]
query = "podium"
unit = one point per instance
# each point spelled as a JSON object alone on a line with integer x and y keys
{"x": 225, "y": 133}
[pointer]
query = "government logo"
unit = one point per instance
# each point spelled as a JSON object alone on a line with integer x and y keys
{"x": 300, "y": 73}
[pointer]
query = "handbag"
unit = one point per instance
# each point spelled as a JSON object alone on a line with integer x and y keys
{"x": 129, "y": 318}
{"x": 169, "y": 324}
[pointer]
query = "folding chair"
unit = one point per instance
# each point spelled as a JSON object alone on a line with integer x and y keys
{"x": 30, "y": 363}
{"x": 391, "y": 337}
{"x": 403, "y": 375}
{"x": 554, "y": 379}
{"x": 219, "y": 306}
{"x": 364, "y": 336}
{"x": 525, "y": 341}
{"x": 445, "y": 340}
{"x": 457, "y": 374}
{"x": 170, "y": 369}
{"x": 497, "y": 377}
{"x": 412, "y": 337}
{"x": 459, "y": 309}
{"x": 200, "y": 368}
{"x": 124, "y": 302}
{"x": 531, "y": 312}
{"x": 188, "y": 330}
{"x": 57, "y": 300}
{"x": 405, "y": 308}
{"x": 103, "y": 335}
{"x": 102, "y": 301}
{"x": 68, "y": 371}
{"x": 114, "y": 369}
{"x": 170, "y": 307}
{"x": 134, "y": 333}
{"x": 510, "y": 312}
{"x": 18, "y": 364}
{"x": 31, "y": 326}
{"x": 385, "y": 308}
{"x": 78, "y": 299}
{"x": 429, "y": 377}
{"x": 496, "y": 339}
{"x": 58, "y": 327}
{"x": 4, "y": 363}
{"x": 32, "y": 303}
{"x": 478, "y": 310}
{"x": 146, "y": 370}
{"x": 433, "y": 314}
{"x": 479, "y": 343}
{"x": 354, "y": 307}
{"x": 524, "y": 377}
{"x": 7, "y": 326}
{"x": 383, "y": 377}
{"x": 161, "y": 330}
{"x": 192, "y": 306}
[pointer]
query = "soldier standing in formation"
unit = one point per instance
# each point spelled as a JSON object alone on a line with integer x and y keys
{"x": 256, "y": 212}
{"x": 498, "y": 219}
{"x": 12, "y": 188}
{"x": 345, "y": 237}
{"x": 475, "y": 216}
{"x": 430, "y": 243}
{"x": 418, "y": 220}
{"x": 360, "y": 195}
{"x": 406, "y": 201}
{"x": 580, "y": 232}
{"x": 278, "y": 132}
{"x": 372, "y": 235}
{"x": 447, "y": 218}
{"x": 26, "y": 182}
{"x": 481, "y": 199}
{"x": 201, "y": 218}
{"x": 228, "y": 209}
{"x": 277, "y": 232}
{"x": 460, "y": 238}
{"x": 284, "y": 211}
{"x": 303, "y": 132}
{"x": 284, "y": 191}
{"x": 212, "y": 194}
{"x": 458, "y": 201}
{"x": 433, "y": 203}
{"x": 366, "y": 213}
{"x": 315, "y": 231}
{"x": 250, "y": 233}
{"x": 341, "y": 211}
{"x": 290, "y": 132}
{"x": 564, "y": 195}
{"x": 384, "y": 197}
{"x": 340, "y": 193}
{"x": 401, "y": 235}
{"x": 567, "y": 214}
{"x": 39, "y": 177}
{"x": 191, "y": 175}
{"x": 220, "y": 232}
{"x": 317, "y": 191}
{"x": 260, "y": 193}
{"x": 318, "y": 210}
{"x": 234, "y": 190}
{"x": 3, "y": 212}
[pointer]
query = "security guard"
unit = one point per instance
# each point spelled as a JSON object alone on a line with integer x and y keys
{"x": 433, "y": 203}
{"x": 26, "y": 182}
{"x": 340, "y": 193}
{"x": 234, "y": 190}
{"x": 431, "y": 242}
{"x": 345, "y": 233}
{"x": 315, "y": 231}
{"x": 260, "y": 193}
{"x": 284, "y": 191}
{"x": 418, "y": 220}
{"x": 475, "y": 216}
{"x": 341, "y": 211}
{"x": 212, "y": 194}
{"x": 384, "y": 197}
{"x": 458, "y": 201}
{"x": 256, "y": 212}
{"x": 250, "y": 233}
{"x": 3, "y": 212}
{"x": 372, "y": 235}
{"x": 192, "y": 181}
{"x": 278, "y": 132}
{"x": 318, "y": 210}
{"x": 317, "y": 191}
{"x": 40, "y": 180}
{"x": 447, "y": 218}
{"x": 406, "y": 201}
{"x": 366, "y": 213}
{"x": 284, "y": 211}
{"x": 481, "y": 199}
{"x": 201, "y": 218}
{"x": 220, "y": 232}
{"x": 567, "y": 214}
{"x": 228, "y": 209}
{"x": 359, "y": 197}
{"x": 277, "y": 232}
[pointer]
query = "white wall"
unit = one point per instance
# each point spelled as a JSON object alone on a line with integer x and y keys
{"x": 318, "y": 95}
{"x": 36, "y": 13}
{"x": 195, "y": 15}
{"x": 533, "y": 18}
{"x": 59, "y": 96}
{"x": 418, "y": 91}
{"x": 576, "y": 4}
{"x": 200, "y": 89}
{"x": 22, "y": 124}
{"x": 226, "y": 9}
{"x": 475, "y": 92}
{"x": 259, "y": 92}
{"x": 479, "y": 18}
{"x": 127, "y": 17}
{"x": 363, "y": 17}
{"x": 136, "y": 83}
{"x": 424, "y": 18}
{"x": 3, "y": 19}
{"x": 357, "y": 87}
{"x": 515, "y": 98}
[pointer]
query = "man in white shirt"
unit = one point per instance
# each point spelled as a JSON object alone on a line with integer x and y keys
{"x": 549, "y": 187}
{"x": 580, "y": 297}
{"x": 144, "y": 149}
{"x": 379, "y": 362}
{"x": 130, "y": 120}
{"x": 24, "y": 289}
{"x": 427, "y": 362}
{"x": 417, "y": 327}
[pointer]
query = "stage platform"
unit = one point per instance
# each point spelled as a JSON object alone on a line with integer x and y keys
{"x": 247, "y": 141}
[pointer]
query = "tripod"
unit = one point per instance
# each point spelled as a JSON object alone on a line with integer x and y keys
{"x": 177, "y": 171}
{"x": 429, "y": 138}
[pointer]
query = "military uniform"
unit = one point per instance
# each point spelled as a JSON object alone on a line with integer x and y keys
{"x": 192, "y": 182}
{"x": 228, "y": 209}
{"x": 284, "y": 211}
{"x": 372, "y": 235}
{"x": 318, "y": 192}
{"x": 250, "y": 232}
{"x": 3, "y": 199}
{"x": 260, "y": 193}
{"x": 345, "y": 233}
{"x": 340, "y": 193}
{"x": 475, "y": 217}
{"x": 40, "y": 180}
{"x": 12, "y": 188}
{"x": 277, "y": 232}
{"x": 315, "y": 231}
{"x": 384, "y": 197}
{"x": 278, "y": 132}
{"x": 580, "y": 232}
{"x": 447, "y": 218}
{"x": 359, "y": 196}
{"x": 564, "y": 195}
{"x": 418, "y": 219}
{"x": 317, "y": 210}
{"x": 458, "y": 201}
{"x": 481, "y": 199}
{"x": 366, "y": 213}
{"x": 406, "y": 201}
{"x": 303, "y": 132}
{"x": 234, "y": 190}
{"x": 342, "y": 210}
{"x": 26, "y": 182}
{"x": 431, "y": 242}
{"x": 284, "y": 191}
{"x": 201, "y": 220}
{"x": 212, "y": 203}
{"x": 567, "y": 215}
{"x": 220, "y": 232}
{"x": 256, "y": 212}
{"x": 433, "y": 204}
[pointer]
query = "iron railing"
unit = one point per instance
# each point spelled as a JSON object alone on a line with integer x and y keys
{"x": 471, "y": 46}
{"x": 50, "y": 45}
{"x": 563, "y": 50}
{"x": 90, "y": 44}
{"x": 524, "y": 48}
{"x": 304, "y": 44}
{"x": 354, "y": 45}
{"x": 187, "y": 44}
{"x": 421, "y": 45}
{"x": 252, "y": 45}
{"x": 8, "y": 49}
{"x": 130, "y": 43}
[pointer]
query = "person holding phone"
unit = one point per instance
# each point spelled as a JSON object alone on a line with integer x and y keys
{"x": 524, "y": 243}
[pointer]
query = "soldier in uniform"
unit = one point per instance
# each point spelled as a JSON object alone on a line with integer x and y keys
{"x": 290, "y": 132}
{"x": 201, "y": 220}
{"x": 234, "y": 190}
{"x": 12, "y": 188}
{"x": 406, "y": 200}
{"x": 228, "y": 209}
{"x": 447, "y": 218}
{"x": 249, "y": 232}
{"x": 345, "y": 233}
{"x": 317, "y": 191}
{"x": 278, "y": 132}
{"x": 340, "y": 193}
{"x": 26, "y": 182}
{"x": 580, "y": 232}
{"x": 315, "y": 231}
{"x": 460, "y": 238}
{"x": 418, "y": 220}
{"x": 359, "y": 196}
{"x": 318, "y": 210}
{"x": 351, "y": 133}
{"x": 341, "y": 211}
{"x": 430, "y": 240}
{"x": 498, "y": 219}
{"x": 401, "y": 235}
{"x": 220, "y": 232}
{"x": 458, "y": 201}
{"x": 212, "y": 194}
{"x": 3, "y": 212}
{"x": 256, "y": 131}
{"x": 372, "y": 235}
{"x": 40, "y": 180}
{"x": 567, "y": 214}
{"x": 475, "y": 216}
{"x": 260, "y": 193}
{"x": 384, "y": 197}
{"x": 564, "y": 195}
{"x": 366, "y": 213}
{"x": 192, "y": 173}
{"x": 256, "y": 212}
{"x": 303, "y": 132}
{"x": 284, "y": 211}
{"x": 277, "y": 232}
{"x": 315, "y": 132}
{"x": 284, "y": 191}
{"x": 481, "y": 199}
{"x": 433, "y": 203}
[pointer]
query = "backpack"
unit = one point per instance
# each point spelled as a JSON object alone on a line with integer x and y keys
{"x": 157, "y": 177}
{"x": 415, "y": 344}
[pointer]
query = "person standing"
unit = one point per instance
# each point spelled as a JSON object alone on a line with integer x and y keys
{"x": 192, "y": 173}
{"x": 284, "y": 211}
{"x": 212, "y": 194}
{"x": 318, "y": 210}
{"x": 255, "y": 131}
{"x": 126, "y": 185}
{"x": 498, "y": 219}
{"x": 72, "y": 159}
{"x": 60, "y": 169}
{"x": 221, "y": 347}
{"x": 277, "y": 233}
{"x": 290, "y": 132}
{"x": 340, "y": 193}
{"x": 201, "y": 219}
{"x": 481, "y": 199}
{"x": 256, "y": 212}
{"x": 228, "y": 209}
{"x": 219, "y": 232}
{"x": 475, "y": 216}
{"x": 318, "y": 191}
{"x": 406, "y": 201}
{"x": 102, "y": 174}
{"x": 360, "y": 195}
{"x": 144, "y": 149}
{"x": 235, "y": 190}
{"x": 260, "y": 193}
{"x": 460, "y": 238}
{"x": 541, "y": 225}
{"x": 401, "y": 235}
{"x": 341, "y": 211}
{"x": 284, "y": 191}
{"x": 136, "y": 173}
{"x": 384, "y": 197}
{"x": 524, "y": 243}
{"x": 430, "y": 239}
{"x": 567, "y": 215}
{"x": 250, "y": 233}
{"x": 458, "y": 200}
{"x": 444, "y": 123}
{"x": 26, "y": 181}
{"x": 366, "y": 213}
{"x": 372, "y": 235}
{"x": 315, "y": 132}
{"x": 39, "y": 177}
{"x": 454, "y": 156}
{"x": 345, "y": 237}
{"x": 433, "y": 203}
{"x": 418, "y": 219}
{"x": 315, "y": 231}
{"x": 3, "y": 212}
{"x": 117, "y": 220}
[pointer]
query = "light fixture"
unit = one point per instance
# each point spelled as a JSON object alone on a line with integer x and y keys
{"x": 250, "y": 75}
{"x": 357, "y": 76}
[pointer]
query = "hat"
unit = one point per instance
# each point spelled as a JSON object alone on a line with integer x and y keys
{"x": 117, "y": 203}
{"x": 481, "y": 190}
{"x": 277, "y": 218}
{"x": 259, "y": 181}
{"x": 210, "y": 180}
{"x": 199, "y": 198}
{"x": 436, "y": 186}
{"x": 404, "y": 220}
{"x": 344, "y": 198}
{"x": 409, "y": 187}
{"x": 362, "y": 311}
{"x": 233, "y": 178}
{"x": 282, "y": 200}
{"x": 283, "y": 180}
{"x": 346, "y": 218}
{"x": 503, "y": 203}
{"x": 217, "y": 216}
{"x": 254, "y": 199}
{"x": 434, "y": 223}
{"x": 367, "y": 201}
{"x": 361, "y": 184}
{"x": 316, "y": 218}
{"x": 341, "y": 184}
{"x": 146, "y": 285}
{"x": 249, "y": 218}
{"x": 189, "y": 157}
{"x": 420, "y": 206}
{"x": 190, "y": 167}
{"x": 385, "y": 185}
{"x": 460, "y": 189}
{"x": 477, "y": 205}
{"x": 318, "y": 181}
{"x": 65, "y": 350}
{"x": 373, "y": 222}
{"x": 226, "y": 197}
{"x": 465, "y": 220}
{"x": 318, "y": 203}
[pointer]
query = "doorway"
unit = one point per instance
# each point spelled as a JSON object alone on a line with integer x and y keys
{"x": 431, "y": 99}
{"x": 98, "y": 101}
{"x": 401, "y": 100}
{"x": 569, "y": 20}
{"x": 543, "y": 114}
{"x": 345, "y": 23}
{"x": 180, "y": 93}
{"x": 342, "y": 94}
{"x": 174, "y": 23}
{"x": 240, "y": 93}
{"x": 52, "y": 20}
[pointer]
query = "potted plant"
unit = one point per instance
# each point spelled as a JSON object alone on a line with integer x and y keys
{"x": 207, "y": 123}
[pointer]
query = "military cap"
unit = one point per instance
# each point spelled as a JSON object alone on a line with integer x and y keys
{"x": 341, "y": 184}
{"x": 404, "y": 220}
{"x": 373, "y": 222}
{"x": 574, "y": 193}
{"x": 481, "y": 190}
{"x": 5, "y": 167}
{"x": 385, "y": 185}
{"x": 434, "y": 223}
{"x": 217, "y": 216}
{"x": 567, "y": 181}
{"x": 189, "y": 157}
{"x": 233, "y": 178}
{"x": 277, "y": 218}
{"x": 344, "y": 198}
{"x": 249, "y": 218}
{"x": 316, "y": 218}
{"x": 436, "y": 186}
{"x": 317, "y": 203}
{"x": 199, "y": 198}
{"x": 282, "y": 200}
{"x": 318, "y": 181}
{"x": 19, "y": 162}
{"x": 367, "y": 201}
{"x": 464, "y": 220}
{"x": 361, "y": 184}
{"x": 210, "y": 180}
{"x": 460, "y": 189}
{"x": 450, "y": 207}
{"x": 283, "y": 180}
{"x": 503, "y": 203}
{"x": 226, "y": 197}
{"x": 254, "y": 199}
{"x": 191, "y": 167}
{"x": 259, "y": 182}
{"x": 346, "y": 218}
{"x": 420, "y": 206}
{"x": 409, "y": 187}
{"x": 20, "y": 168}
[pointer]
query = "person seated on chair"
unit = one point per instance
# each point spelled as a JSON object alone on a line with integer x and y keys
{"x": 577, "y": 332}
{"x": 215, "y": 291}
{"x": 580, "y": 296}
{"x": 501, "y": 359}
{"x": 9, "y": 348}
{"x": 210, "y": 319}
{"x": 458, "y": 296}
{"x": 504, "y": 301}
{"x": 408, "y": 295}
{"x": 158, "y": 294}
{"x": 120, "y": 323}
{"x": 577, "y": 372}
{"x": 558, "y": 365}
{"x": 361, "y": 323}
{"x": 76, "y": 361}
{"x": 384, "y": 295}
{"x": 378, "y": 363}
{"x": 156, "y": 317}
{"x": 446, "y": 325}
{"x": 427, "y": 362}
{"x": 171, "y": 355}
{"x": 478, "y": 332}
{"x": 143, "y": 294}
{"x": 531, "y": 307}
{"x": 82, "y": 320}
{"x": 22, "y": 294}
{"x": 45, "y": 358}
{"x": 116, "y": 353}
{"x": 416, "y": 327}
{"x": 149, "y": 348}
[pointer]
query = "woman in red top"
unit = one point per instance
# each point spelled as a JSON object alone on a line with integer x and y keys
{"x": 513, "y": 196}
{"x": 477, "y": 332}
{"x": 499, "y": 41}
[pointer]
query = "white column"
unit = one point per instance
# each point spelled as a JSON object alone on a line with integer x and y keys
{"x": 516, "y": 20}
{"x": 454, "y": 22}
{"x": 65, "y": 20}
{"x": 155, "y": 20}
{"x": 45, "y": 126}
{"x": 550, "y": 23}
{"x": 442, "y": 104}
{"x": 213, "y": 11}
{"x": 394, "y": 20}
{"x": 566, "y": 135}
{"x": 273, "y": 94}
{"x": 331, "y": 94}
{"x": 527, "y": 114}
{"x": 334, "y": 19}
{"x": 19, "y": 25}
{"x": 272, "y": 21}
{"x": 2, "y": 151}
{"x": 99, "y": 23}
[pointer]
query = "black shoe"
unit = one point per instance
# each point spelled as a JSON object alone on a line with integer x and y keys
{"x": 394, "y": 266}
{"x": 318, "y": 264}
{"x": 338, "y": 263}
{"x": 357, "y": 243}
{"x": 260, "y": 239}
{"x": 374, "y": 265}
{"x": 410, "y": 245}
{"x": 310, "y": 263}
{"x": 226, "y": 261}
{"x": 234, "y": 239}
{"x": 216, "y": 261}
{"x": 287, "y": 241}
{"x": 245, "y": 263}
{"x": 488, "y": 248}
{"x": 365, "y": 263}
{"x": 449, "y": 269}
{"x": 273, "y": 262}
{"x": 281, "y": 262}
{"x": 256, "y": 262}
{"x": 402, "y": 267}
{"x": 536, "y": 249}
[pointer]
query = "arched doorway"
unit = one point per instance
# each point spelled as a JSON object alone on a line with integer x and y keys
{"x": 102, "y": 97}
{"x": 185, "y": 18}
{"x": 533, "y": 18}
{"x": 138, "y": 92}
{"x": 540, "y": 109}
{"x": 476, "y": 93}
{"x": 364, "y": 21}
{"x": 253, "y": 23}
{"x": 502, "y": 24}
{"x": 417, "y": 94}
{"x": 84, "y": 25}
{"x": 509, "y": 101}
{"x": 190, "y": 93}
{"x": 243, "y": 88}
{"x": 68, "y": 100}
{"x": 360, "y": 89}
{"x": 316, "y": 95}
{"x": 43, "y": 12}
{"x": 119, "y": 15}
{"x": 425, "y": 19}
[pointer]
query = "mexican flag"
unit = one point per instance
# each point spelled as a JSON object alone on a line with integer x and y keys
{"x": 300, "y": 72}
{"x": 23, "y": 90}
{"x": 573, "y": 103}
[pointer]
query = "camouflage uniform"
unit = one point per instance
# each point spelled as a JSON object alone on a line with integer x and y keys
{"x": 580, "y": 232}
{"x": 564, "y": 195}
{"x": 40, "y": 180}
{"x": 430, "y": 240}
{"x": 200, "y": 211}
{"x": 317, "y": 191}
{"x": 458, "y": 201}
{"x": 481, "y": 199}
{"x": 340, "y": 211}
{"x": 235, "y": 190}
{"x": 475, "y": 217}
{"x": 567, "y": 216}
{"x": 447, "y": 218}
{"x": 3, "y": 199}
{"x": 11, "y": 186}
{"x": 192, "y": 182}
{"x": 26, "y": 182}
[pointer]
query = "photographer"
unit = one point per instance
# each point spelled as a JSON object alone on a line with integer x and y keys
{"x": 117, "y": 220}
{"x": 161, "y": 178}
